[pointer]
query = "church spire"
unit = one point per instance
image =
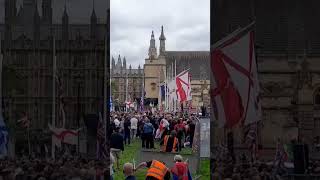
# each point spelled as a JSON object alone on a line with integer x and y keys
{"x": 93, "y": 21}
{"x": 152, "y": 49}
{"x": 36, "y": 24}
{"x": 124, "y": 63}
{"x": 162, "y": 39}
{"x": 93, "y": 14}
{"x": 65, "y": 17}
{"x": 119, "y": 63}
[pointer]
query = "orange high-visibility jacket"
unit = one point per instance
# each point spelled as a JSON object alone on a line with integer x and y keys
{"x": 180, "y": 169}
{"x": 157, "y": 170}
{"x": 175, "y": 143}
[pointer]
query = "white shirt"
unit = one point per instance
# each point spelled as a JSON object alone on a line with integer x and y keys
{"x": 134, "y": 123}
{"x": 117, "y": 122}
{"x": 165, "y": 123}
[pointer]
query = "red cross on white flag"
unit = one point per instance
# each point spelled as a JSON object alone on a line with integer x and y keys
{"x": 236, "y": 87}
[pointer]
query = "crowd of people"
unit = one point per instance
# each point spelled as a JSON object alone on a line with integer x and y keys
{"x": 59, "y": 169}
{"x": 151, "y": 127}
{"x": 172, "y": 131}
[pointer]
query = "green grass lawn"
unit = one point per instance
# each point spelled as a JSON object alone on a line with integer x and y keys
{"x": 131, "y": 152}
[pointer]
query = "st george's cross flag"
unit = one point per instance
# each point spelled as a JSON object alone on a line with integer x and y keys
{"x": 62, "y": 135}
{"x": 235, "y": 92}
{"x": 183, "y": 86}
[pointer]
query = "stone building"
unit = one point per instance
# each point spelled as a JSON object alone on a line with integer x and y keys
{"x": 156, "y": 67}
{"x": 287, "y": 49}
{"x": 27, "y": 47}
{"x": 120, "y": 73}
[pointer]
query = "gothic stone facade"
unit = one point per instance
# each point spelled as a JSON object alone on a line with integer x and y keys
{"x": 156, "y": 66}
{"x": 119, "y": 75}
{"x": 28, "y": 51}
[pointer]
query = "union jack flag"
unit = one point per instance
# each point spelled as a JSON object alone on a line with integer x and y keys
{"x": 101, "y": 140}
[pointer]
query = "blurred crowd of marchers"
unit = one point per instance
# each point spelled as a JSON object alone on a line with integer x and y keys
{"x": 243, "y": 168}
{"x": 45, "y": 169}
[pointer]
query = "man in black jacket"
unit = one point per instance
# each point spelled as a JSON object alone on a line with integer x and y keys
{"x": 116, "y": 145}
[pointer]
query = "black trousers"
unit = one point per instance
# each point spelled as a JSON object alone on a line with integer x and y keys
{"x": 180, "y": 143}
{"x": 143, "y": 140}
{"x": 149, "y": 140}
{"x": 126, "y": 137}
{"x": 191, "y": 139}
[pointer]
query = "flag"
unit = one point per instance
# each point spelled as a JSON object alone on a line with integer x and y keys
{"x": 101, "y": 139}
{"x": 110, "y": 103}
{"x": 183, "y": 86}
{"x": 61, "y": 135}
{"x": 163, "y": 91}
{"x": 24, "y": 121}
{"x": 3, "y": 137}
{"x": 236, "y": 91}
{"x": 172, "y": 92}
{"x": 141, "y": 104}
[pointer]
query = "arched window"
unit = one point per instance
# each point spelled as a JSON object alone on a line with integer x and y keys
{"x": 317, "y": 97}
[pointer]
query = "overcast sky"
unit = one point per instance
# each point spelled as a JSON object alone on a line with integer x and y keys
{"x": 186, "y": 26}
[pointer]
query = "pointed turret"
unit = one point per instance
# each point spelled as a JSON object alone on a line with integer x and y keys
{"x": 152, "y": 48}
{"x": 119, "y": 63}
{"x": 162, "y": 39}
{"x": 130, "y": 69}
{"x": 36, "y": 25}
{"x": 113, "y": 63}
{"x": 65, "y": 26}
{"x": 93, "y": 21}
{"x": 124, "y": 63}
{"x": 65, "y": 17}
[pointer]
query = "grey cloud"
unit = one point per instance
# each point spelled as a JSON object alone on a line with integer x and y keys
{"x": 186, "y": 26}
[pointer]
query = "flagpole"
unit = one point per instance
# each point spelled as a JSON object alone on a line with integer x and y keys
{"x": 53, "y": 94}
{"x": 175, "y": 76}
{"x": 165, "y": 90}
{"x": 126, "y": 91}
{"x": 159, "y": 99}
{"x": 172, "y": 73}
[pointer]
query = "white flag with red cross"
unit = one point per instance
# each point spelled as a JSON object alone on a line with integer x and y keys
{"x": 183, "y": 86}
{"x": 235, "y": 94}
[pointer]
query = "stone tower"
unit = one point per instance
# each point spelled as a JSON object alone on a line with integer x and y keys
{"x": 162, "y": 39}
{"x": 152, "y": 48}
